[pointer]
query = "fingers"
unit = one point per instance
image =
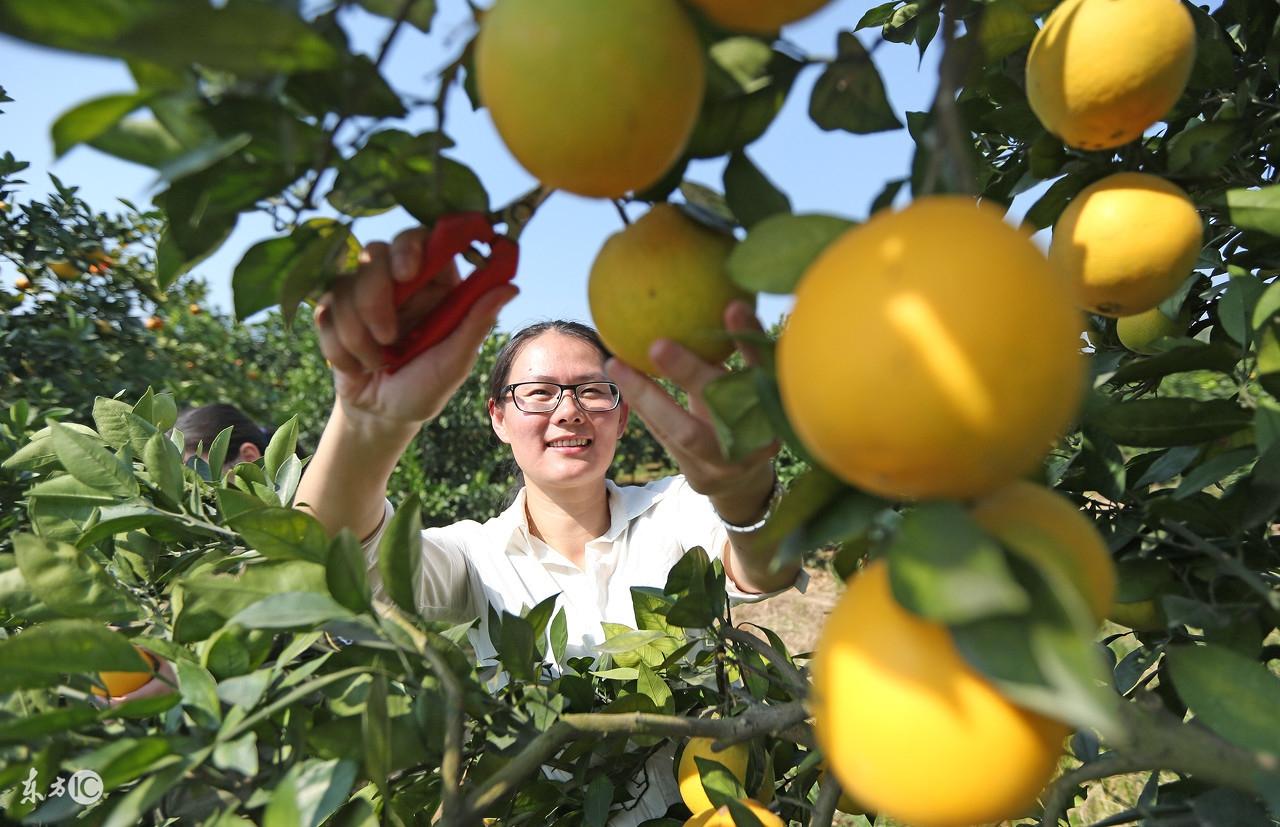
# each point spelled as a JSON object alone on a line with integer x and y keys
{"x": 406, "y": 253}
{"x": 163, "y": 683}
{"x": 740, "y": 317}
{"x": 456, "y": 355}
{"x": 673, "y": 426}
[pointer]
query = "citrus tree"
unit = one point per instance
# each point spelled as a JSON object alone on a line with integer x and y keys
{"x": 1051, "y": 476}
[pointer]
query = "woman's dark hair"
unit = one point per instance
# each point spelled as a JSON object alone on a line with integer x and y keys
{"x": 202, "y": 424}
{"x": 502, "y": 363}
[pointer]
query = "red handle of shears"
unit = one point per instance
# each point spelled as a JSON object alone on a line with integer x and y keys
{"x": 452, "y": 235}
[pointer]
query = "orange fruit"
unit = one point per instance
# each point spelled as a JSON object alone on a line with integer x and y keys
{"x": 115, "y": 684}
{"x": 1048, "y": 530}
{"x": 1141, "y": 331}
{"x": 723, "y": 817}
{"x": 594, "y": 98}
{"x": 1127, "y": 242}
{"x": 194, "y": 309}
{"x": 663, "y": 276}
{"x": 910, "y": 729}
{"x": 22, "y": 283}
{"x": 759, "y": 16}
{"x": 1101, "y": 71}
{"x": 897, "y": 365}
{"x": 154, "y": 323}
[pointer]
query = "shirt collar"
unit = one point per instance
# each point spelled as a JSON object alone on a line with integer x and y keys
{"x": 625, "y": 504}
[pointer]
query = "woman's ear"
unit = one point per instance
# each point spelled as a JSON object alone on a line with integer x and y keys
{"x": 248, "y": 452}
{"x": 498, "y": 419}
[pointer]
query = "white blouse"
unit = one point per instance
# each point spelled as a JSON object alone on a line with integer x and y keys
{"x": 468, "y": 566}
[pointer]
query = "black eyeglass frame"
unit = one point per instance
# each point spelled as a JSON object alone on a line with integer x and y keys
{"x": 573, "y": 391}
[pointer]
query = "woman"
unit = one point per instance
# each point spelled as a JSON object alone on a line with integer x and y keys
{"x": 200, "y": 426}
{"x": 561, "y": 404}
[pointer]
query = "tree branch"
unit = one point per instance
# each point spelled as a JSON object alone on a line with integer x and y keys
{"x": 754, "y": 722}
{"x": 954, "y": 139}
{"x": 1159, "y": 741}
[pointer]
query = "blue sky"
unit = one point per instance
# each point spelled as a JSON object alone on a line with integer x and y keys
{"x": 831, "y": 172}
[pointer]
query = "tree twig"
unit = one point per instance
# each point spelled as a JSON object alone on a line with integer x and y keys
{"x": 793, "y": 676}
{"x": 954, "y": 139}
{"x": 824, "y": 808}
{"x": 754, "y": 722}
{"x": 1159, "y": 741}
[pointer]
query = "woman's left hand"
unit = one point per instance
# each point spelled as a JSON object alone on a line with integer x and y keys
{"x": 738, "y": 489}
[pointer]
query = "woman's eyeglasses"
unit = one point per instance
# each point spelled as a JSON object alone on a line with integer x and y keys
{"x": 544, "y": 397}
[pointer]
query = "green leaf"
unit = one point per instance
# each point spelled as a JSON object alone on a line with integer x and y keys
{"x": 70, "y": 581}
{"x": 345, "y": 573}
{"x": 597, "y": 801}
{"x": 1055, "y": 199}
{"x": 88, "y": 120}
{"x": 1045, "y": 658}
{"x": 945, "y": 568}
{"x": 284, "y": 443}
{"x": 291, "y": 610}
{"x": 39, "y": 454}
{"x": 1217, "y": 356}
{"x": 1204, "y": 148}
{"x": 747, "y": 83}
{"x": 418, "y": 14}
{"x": 285, "y": 270}
{"x": 516, "y": 647}
{"x": 60, "y": 506}
{"x": 1251, "y": 209}
{"x": 1233, "y": 695}
{"x": 39, "y": 655}
{"x": 111, "y": 418}
{"x": 632, "y": 647}
{"x": 90, "y": 463}
{"x": 164, "y": 466}
{"x": 1005, "y": 28}
{"x": 720, "y": 785}
{"x": 310, "y": 792}
{"x": 139, "y": 140}
{"x": 1213, "y": 471}
{"x": 751, "y": 195}
{"x": 850, "y": 95}
{"x": 1236, "y": 307}
{"x": 395, "y": 167}
{"x": 651, "y": 685}
{"x": 778, "y": 250}
{"x": 1159, "y": 423}
{"x": 283, "y": 534}
{"x": 741, "y": 425}
{"x": 400, "y": 555}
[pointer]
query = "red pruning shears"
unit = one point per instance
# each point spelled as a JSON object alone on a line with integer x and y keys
{"x": 452, "y": 235}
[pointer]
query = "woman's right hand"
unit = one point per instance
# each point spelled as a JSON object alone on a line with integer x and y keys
{"x": 358, "y": 317}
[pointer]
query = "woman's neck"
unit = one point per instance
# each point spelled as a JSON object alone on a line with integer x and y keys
{"x": 567, "y": 520}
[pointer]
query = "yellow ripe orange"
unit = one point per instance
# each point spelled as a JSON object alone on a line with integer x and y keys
{"x": 1048, "y": 530}
{"x": 1101, "y": 71}
{"x": 116, "y": 684}
{"x": 154, "y": 323}
{"x": 723, "y": 817}
{"x": 194, "y": 309}
{"x": 759, "y": 16}
{"x": 910, "y": 729}
{"x": 22, "y": 283}
{"x": 595, "y": 98}
{"x": 736, "y": 758}
{"x": 931, "y": 352}
{"x": 1127, "y": 242}
{"x": 1141, "y": 331}
{"x": 663, "y": 276}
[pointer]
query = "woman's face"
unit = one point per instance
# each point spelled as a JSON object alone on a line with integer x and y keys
{"x": 538, "y": 440}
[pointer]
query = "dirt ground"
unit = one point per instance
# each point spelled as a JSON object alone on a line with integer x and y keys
{"x": 797, "y": 618}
